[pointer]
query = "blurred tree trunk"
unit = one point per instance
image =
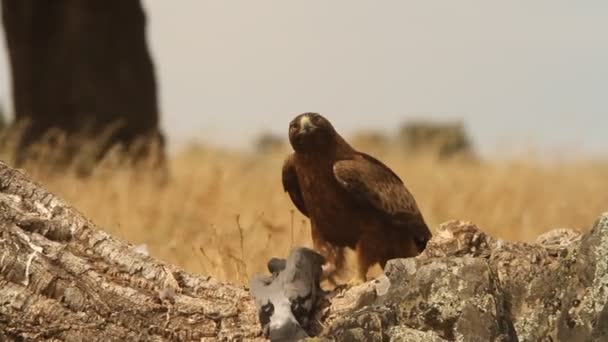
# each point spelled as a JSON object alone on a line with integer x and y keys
{"x": 82, "y": 67}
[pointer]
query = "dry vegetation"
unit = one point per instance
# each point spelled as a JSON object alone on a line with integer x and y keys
{"x": 224, "y": 213}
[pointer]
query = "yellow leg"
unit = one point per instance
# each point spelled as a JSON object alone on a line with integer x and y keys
{"x": 365, "y": 260}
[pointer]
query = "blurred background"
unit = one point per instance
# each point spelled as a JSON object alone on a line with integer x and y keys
{"x": 166, "y": 122}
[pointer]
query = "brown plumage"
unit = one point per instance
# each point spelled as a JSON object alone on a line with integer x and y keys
{"x": 352, "y": 199}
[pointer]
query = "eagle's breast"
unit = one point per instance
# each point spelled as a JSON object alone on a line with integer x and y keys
{"x": 332, "y": 211}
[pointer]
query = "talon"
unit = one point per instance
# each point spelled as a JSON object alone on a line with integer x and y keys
{"x": 328, "y": 270}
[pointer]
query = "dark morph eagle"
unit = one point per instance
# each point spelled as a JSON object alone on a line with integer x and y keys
{"x": 352, "y": 199}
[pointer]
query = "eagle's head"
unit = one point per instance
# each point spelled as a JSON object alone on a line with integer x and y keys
{"x": 310, "y": 132}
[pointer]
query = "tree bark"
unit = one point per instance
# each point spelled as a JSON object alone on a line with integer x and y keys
{"x": 62, "y": 278}
{"x": 82, "y": 67}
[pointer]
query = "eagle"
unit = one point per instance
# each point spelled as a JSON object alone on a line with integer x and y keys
{"x": 352, "y": 199}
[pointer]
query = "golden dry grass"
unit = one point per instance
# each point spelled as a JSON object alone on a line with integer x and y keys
{"x": 223, "y": 213}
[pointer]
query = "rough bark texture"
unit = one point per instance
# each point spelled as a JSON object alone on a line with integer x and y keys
{"x": 61, "y": 278}
{"x": 82, "y": 67}
{"x": 468, "y": 286}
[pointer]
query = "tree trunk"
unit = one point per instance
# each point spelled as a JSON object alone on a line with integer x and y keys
{"x": 61, "y": 278}
{"x": 82, "y": 67}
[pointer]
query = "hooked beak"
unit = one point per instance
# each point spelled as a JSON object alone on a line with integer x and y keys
{"x": 306, "y": 125}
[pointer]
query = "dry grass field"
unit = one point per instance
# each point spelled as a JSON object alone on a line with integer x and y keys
{"x": 224, "y": 213}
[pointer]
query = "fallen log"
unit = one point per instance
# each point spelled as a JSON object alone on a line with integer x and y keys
{"x": 63, "y": 278}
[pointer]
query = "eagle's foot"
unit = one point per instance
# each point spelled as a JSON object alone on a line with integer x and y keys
{"x": 328, "y": 270}
{"x": 328, "y": 274}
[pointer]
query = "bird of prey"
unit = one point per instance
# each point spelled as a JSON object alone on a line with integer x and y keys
{"x": 352, "y": 199}
{"x": 286, "y": 300}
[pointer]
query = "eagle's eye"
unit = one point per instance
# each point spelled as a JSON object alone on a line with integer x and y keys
{"x": 292, "y": 126}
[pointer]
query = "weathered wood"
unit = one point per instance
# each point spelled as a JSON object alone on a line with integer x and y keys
{"x": 62, "y": 278}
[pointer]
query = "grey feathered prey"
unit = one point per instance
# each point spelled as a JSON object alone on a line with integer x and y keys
{"x": 286, "y": 299}
{"x": 276, "y": 265}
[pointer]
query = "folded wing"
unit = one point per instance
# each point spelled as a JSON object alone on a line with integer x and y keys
{"x": 375, "y": 185}
{"x": 292, "y": 186}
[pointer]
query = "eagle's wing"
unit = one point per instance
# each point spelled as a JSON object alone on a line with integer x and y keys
{"x": 292, "y": 186}
{"x": 374, "y": 184}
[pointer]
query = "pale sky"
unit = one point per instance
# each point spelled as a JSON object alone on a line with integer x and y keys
{"x": 515, "y": 71}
